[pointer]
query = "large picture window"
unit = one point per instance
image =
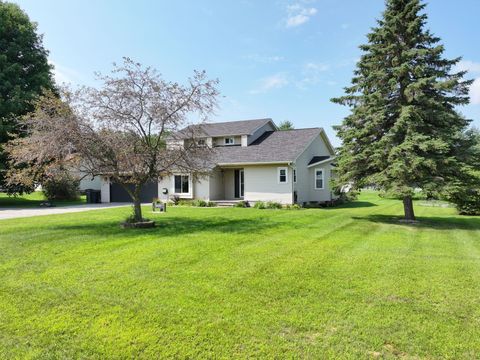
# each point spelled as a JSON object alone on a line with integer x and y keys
{"x": 318, "y": 179}
{"x": 182, "y": 184}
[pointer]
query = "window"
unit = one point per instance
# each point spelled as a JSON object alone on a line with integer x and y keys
{"x": 182, "y": 184}
{"x": 318, "y": 179}
{"x": 282, "y": 175}
{"x": 294, "y": 175}
{"x": 229, "y": 141}
{"x": 201, "y": 142}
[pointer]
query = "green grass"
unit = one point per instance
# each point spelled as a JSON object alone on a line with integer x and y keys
{"x": 349, "y": 282}
{"x": 33, "y": 200}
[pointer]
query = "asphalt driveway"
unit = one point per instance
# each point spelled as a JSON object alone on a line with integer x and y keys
{"x": 14, "y": 212}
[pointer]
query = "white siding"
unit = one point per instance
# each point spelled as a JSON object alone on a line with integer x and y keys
{"x": 229, "y": 183}
{"x": 199, "y": 188}
{"x": 217, "y": 188}
{"x": 220, "y": 141}
{"x": 261, "y": 184}
{"x": 89, "y": 183}
{"x": 104, "y": 189}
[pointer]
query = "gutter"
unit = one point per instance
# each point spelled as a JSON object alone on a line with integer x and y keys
{"x": 321, "y": 162}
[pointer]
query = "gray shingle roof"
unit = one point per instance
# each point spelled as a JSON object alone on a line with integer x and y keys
{"x": 273, "y": 146}
{"x": 230, "y": 128}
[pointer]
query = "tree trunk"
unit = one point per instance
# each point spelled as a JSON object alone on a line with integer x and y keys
{"x": 408, "y": 208}
{"x": 137, "y": 209}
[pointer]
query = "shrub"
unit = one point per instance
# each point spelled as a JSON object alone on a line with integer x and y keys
{"x": 242, "y": 204}
{"x": 61, "y": 186}
{"x": 175, "y": 199}
{"x": 211, "y": 204}
{"x": 259, "y": 205}
{"x": 273, "y": 205}
{"x": 185, "y": 202}
{"x": 199, "y": 203}
{"x": 292, "y": 207}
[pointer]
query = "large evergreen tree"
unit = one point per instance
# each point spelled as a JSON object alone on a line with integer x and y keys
{"x": 400, "y": 134}
{"x": 24, "y": 71}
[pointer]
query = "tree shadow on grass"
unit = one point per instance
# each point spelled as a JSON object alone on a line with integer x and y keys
{"x": 173, "y": 227}
{"x": 352, "y": 205}
{"x": 431, "y": 222}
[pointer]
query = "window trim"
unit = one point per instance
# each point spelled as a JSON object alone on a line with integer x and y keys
{"x": 189, "y": 185}
{"x": 279, "y": 169}
{"x": 229, "y": 143}
{"x": 315, "y": 178}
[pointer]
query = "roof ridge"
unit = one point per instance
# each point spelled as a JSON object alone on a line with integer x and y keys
{"x": 234, "y": 121}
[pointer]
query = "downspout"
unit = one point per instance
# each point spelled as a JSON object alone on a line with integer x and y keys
{"x": 293, "y": 185}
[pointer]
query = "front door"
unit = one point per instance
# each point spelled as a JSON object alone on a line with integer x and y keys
{"x": 239, "y": 183}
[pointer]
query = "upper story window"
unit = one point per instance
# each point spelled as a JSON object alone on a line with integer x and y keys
{"x": 318, "y": 179}
{"x": 282, "y": 175}
{"x": 182, "y": 184}
{"x": 294, "y": 175}
{"x": 201, "y": 142}
{"x": 229, "y": 141}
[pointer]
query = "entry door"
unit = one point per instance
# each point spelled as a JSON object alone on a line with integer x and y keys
{"x": 239, "y": 183}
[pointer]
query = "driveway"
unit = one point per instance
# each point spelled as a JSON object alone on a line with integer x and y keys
{"x": 11, "y": 212}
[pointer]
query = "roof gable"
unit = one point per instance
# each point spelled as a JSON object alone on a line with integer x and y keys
{"x": 229, "y": 128}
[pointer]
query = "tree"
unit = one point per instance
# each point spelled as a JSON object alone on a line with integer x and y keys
{"x": 118, "y": 130}
{"x": 464, "y": 191}
{"x": 24, "y": 72}
{"x": 285, "y": 125}
{"x": 400, "y": 134}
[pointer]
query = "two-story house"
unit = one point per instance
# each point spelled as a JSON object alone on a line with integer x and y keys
{"x": 254, "y": 161}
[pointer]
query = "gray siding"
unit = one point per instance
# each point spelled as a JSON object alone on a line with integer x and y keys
{"x": 305, "y": 185}
{"x": 267, "y": 127}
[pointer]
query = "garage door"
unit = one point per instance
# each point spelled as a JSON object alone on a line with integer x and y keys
{"x": 119, "y": 194}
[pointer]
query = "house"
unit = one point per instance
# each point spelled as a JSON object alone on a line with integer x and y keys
{"x": 253, "y": 161}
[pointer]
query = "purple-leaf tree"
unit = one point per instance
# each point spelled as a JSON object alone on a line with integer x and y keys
{"x": 117, "y": 130}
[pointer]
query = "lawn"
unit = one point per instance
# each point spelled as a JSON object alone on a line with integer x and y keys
{"x": 347, "y": 282}
{"x": 33, "y": 200}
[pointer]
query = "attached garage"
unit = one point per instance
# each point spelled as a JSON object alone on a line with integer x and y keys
{"x": 119, "y": 194}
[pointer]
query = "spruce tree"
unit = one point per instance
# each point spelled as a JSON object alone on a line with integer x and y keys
{"x": 24, "y": 72}
{"x": 400, "y": 134}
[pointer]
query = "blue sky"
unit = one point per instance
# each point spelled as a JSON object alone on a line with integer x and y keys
{"x": 278, "y": 59}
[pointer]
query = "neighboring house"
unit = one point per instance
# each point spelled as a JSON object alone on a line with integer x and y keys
{"x": 253, "y": 161}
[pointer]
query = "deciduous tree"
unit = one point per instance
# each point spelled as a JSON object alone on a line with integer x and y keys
{"x": 118, "y": 130}
{"x": 24, "y": 73}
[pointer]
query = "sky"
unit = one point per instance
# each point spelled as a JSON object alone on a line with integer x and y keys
{"x": 279, "y": 59}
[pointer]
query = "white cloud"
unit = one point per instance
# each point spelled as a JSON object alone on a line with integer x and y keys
{"x": 64, "y": 74}
{"x": 264, "y": 59}
{"x": 276, "y": 81}
{"x": 297, "y": 15}
{"x": 312, "y": 74}
{"x": 316, "y": 67}
{"x": 475, "y": 92}
{"x": 473, "y": 69}
{"x": 470, "y": 66}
